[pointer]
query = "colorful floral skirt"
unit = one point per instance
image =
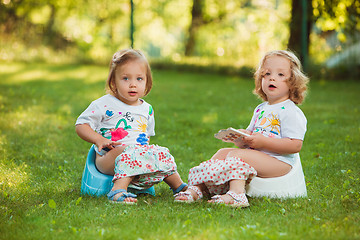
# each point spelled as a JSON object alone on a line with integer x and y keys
{"x": 150, "y": 164}
{"x": 216, "y": 174}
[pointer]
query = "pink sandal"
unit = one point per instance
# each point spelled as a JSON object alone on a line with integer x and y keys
{"x": 188, "y": 195}
{"x": 240, "y": 200}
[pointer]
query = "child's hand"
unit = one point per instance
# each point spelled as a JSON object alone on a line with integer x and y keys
{"x": 239, "y": 141}
{"x": 106, "y": 143}
{"x": 240, "y": 144}
{"x": 255, "y": 141}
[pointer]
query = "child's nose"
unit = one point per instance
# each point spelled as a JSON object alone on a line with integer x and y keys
{"x": 132, "y": 83}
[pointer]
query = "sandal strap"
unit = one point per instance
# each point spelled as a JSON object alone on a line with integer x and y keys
{"x": 187, "y": 194}
{"x": 236, "y": 197}
{"x": 181, "y": 187}
{"x": 111, "y": 194}
{"x": 125, "y": 195}
{"x": 197, "y": 190}
{"x": 217, "y": 199}
{"x": 240, "y": 199}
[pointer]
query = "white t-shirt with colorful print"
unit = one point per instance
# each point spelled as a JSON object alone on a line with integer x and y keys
{"x": 281, "y": 120}
{"x": 118, "y": 121}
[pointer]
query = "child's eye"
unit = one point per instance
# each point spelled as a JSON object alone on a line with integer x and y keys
{"x": 281, "y": 74}
{"x": 267, "y": 74}
{"x": 139, "y": 78}
{"x": 125, "y": 78}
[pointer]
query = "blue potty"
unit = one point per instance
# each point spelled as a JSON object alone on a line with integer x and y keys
{"x": 96, "y": 183}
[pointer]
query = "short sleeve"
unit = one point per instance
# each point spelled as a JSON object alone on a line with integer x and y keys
{"x": 293, "y": 125}
{"x": 151, "y": 122}
{"x": 92, "y": 116}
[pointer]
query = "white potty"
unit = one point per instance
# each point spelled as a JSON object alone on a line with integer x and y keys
{"x": 290, "y": 185}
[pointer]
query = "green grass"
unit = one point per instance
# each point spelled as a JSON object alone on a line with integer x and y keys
{"x": 42, "y": 159}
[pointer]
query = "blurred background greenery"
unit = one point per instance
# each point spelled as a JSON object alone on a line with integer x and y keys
{"x": 203, "y": 35}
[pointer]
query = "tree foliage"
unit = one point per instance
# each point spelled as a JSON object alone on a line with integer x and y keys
{"x": 233, "y": 32}
{"x": 342, "y": 16}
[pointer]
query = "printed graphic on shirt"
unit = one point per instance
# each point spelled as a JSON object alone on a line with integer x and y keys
{"x": 126, "y": 126}
{"x": 269, "y": 124}
{"x": 151, "y": 111}
{"x": 273, "y": 124}
{"x": 118, "y": 134}
{"x": 261, "y": 114}
{"x": 128, "y": 117}
{"x": 142, "y": 139}
{"x": 142, "y": 124}
{"x": 109, "y": 113}
{"x": 121, "y": 128}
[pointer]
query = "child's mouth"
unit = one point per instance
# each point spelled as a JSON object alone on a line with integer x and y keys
{"x": 132, "y": 93}
{"x": 272, "y": 86}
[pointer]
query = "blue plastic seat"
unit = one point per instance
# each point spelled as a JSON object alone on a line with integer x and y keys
{"x": 96, "y": 183}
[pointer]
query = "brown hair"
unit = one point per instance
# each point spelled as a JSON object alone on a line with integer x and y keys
{"x": 297, "y": 82}
{"x": 122, "y": 57}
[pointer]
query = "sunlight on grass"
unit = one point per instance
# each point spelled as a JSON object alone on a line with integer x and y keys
{"x": 31, "y": 75}
{"x": 10, "y": 68}
{"x": 27, "y": 117}
{"x": 21, "y": 74}
{"x": 12, "y": 176}
{"x": 65, "y": 109}
{"x": 211, "y": 117}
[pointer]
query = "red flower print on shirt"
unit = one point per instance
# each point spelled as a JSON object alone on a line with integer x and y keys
{"x": 118, "y": 134}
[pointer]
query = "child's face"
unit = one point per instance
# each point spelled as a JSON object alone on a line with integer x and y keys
{"x": 130, "y": 82}
{"x": 275, "y": 79}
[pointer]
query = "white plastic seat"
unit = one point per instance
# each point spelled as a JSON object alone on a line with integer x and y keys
{"x": 291, "y": 185}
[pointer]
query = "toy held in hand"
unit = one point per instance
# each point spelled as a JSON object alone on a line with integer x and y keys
{"x": 230, "y": 135}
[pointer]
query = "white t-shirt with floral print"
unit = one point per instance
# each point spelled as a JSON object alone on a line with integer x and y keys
{"x": 281, "y": 120}
{"x": 118, "y": 121}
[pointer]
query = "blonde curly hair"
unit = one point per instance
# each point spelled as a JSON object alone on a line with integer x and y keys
{"x": 297, "y": 82}
{"x": 122, "y": 57}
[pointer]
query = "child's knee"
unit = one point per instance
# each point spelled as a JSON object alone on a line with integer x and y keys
{"x": 222, "y": 153}
{"x": 236, "y": 153}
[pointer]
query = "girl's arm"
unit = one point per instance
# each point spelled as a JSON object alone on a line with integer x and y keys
{"x": 277, "y": 145}
{"x": 86, "y": 133}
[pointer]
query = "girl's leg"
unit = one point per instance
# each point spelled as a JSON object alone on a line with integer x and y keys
{"x": 222, "y": 153}
{"x": 106, "y": 163}
{"x": 265, "y": 165}
{"x": 237, "y": 186}
{"x": 123, "y": 183}
{"x": 174, "y": 181}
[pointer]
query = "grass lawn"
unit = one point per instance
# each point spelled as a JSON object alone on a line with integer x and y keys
{"x": 42, "y": 159}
